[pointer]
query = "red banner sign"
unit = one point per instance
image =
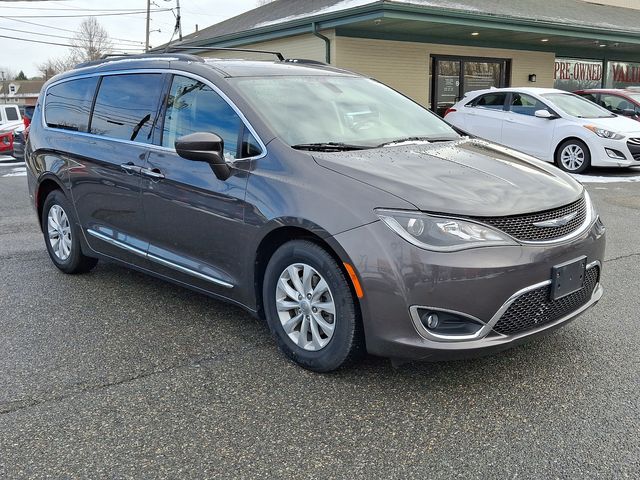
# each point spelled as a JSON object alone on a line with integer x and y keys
{"x": 578, "y": 71}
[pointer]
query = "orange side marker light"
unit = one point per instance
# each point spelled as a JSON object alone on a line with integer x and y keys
{"x": 354, "y": 279}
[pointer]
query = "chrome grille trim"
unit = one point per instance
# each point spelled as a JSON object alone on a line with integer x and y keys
{"x": 522, "y": 228}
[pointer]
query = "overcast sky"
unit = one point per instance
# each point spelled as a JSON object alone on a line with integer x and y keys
{"x": 18, "y": 55}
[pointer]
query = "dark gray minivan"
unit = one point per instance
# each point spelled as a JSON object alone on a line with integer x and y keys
{"x": 349, "y": 217}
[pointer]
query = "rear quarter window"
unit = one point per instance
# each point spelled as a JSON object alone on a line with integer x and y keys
{"x": 68, "y": 104}
{"x": 494, "y": 101}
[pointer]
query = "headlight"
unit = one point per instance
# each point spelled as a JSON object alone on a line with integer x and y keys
{"x": 441, "y": 234}
{"x": 602, "y": 133}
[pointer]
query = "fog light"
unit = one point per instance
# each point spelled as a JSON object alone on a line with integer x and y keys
{"x": 431, "y": 320}
{"x": 444, "y": 324}
{"x": 615, "y": 154}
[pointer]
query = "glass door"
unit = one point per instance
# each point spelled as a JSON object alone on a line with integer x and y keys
{"x": 452, "y": 77}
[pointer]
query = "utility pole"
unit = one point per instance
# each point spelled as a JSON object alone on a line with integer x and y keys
{"x": 179, "y": 20}
{"x": 4, "y": 87}
{"x": 146, "y": 45}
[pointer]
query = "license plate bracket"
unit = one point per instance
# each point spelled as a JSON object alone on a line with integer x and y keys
{"x": 568, "y": 277}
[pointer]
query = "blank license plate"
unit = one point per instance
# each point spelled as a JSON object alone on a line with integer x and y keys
{"x": 567, "y": 278}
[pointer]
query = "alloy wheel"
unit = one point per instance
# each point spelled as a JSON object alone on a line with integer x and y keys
{"x": 306, "y": 307}
{"x": 572, "y": 157}
{"x": 59, "y": 231}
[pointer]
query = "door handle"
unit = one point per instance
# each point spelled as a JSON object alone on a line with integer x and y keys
{"x": 131, "y": 168}
{"x": 154, "y": 173}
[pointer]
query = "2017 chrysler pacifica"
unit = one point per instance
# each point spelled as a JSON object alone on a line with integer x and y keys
{"x": 345, "y": 214}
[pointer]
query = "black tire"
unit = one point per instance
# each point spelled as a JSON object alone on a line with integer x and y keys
{"x": 347, "y": 342}
{"x": 76, "y": 262}
{"x": 575, "y": 143}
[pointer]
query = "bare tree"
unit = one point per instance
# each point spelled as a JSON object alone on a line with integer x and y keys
{"x": 91, "y": 41}
{"x": 56, "y": 65}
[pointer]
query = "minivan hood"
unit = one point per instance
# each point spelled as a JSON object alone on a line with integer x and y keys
{"x": 465, "y": 177}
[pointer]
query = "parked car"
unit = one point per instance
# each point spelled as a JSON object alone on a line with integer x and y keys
{"x": 9, "y": 114}
{"x": 551, "y": 125}
{"x": 6, "y": 142}
{"x": 618, "y": 101}
{"x": 345, "y": 214}
{"x": 28, "y": 113}
{"x": 7, "y": 137}
{"x": 19, "y": 140}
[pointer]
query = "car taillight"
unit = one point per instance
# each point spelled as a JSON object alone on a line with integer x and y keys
{"x": 449, "y": 110}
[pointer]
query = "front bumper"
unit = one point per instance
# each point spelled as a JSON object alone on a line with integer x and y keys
{"x": 479, "y": 283}
{"x": 615, "y": 153}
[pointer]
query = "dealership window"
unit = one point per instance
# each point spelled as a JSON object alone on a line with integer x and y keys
{"x": 572, "y": 74}
{"x": 622, "y": 75}
{"x": 453, "y": 77}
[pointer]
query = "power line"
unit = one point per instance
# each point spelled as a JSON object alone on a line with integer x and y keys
{"x": 78, "y": 9}
{"x": 60, "y": 44}
{"x": 59, "y": 36}
{"x": 62, "y": 29}
{"x": 137, "y": 12}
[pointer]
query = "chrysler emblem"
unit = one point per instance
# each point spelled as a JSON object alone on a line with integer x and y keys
{"x": 556, "y": 222}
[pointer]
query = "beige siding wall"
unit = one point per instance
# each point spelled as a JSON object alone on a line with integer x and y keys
{"x": 301, "y": 46}
{"x": 619, "y": 3}
{"x": 405, "y": 65}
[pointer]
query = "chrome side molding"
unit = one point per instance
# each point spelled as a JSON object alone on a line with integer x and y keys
{"x": 158, "y": 260}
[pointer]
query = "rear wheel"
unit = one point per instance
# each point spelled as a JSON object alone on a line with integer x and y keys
{"x": 573, "y": 156}
{"x": 62, "y": 235}
{"x": 310, "y": 308}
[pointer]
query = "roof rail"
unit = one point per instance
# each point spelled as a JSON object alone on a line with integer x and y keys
{"x": 305, "y": 61}
{"x": 108, "y": 57}
{"x": 224, "y": 49}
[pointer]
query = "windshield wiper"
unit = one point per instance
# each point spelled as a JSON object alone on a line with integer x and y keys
{"x": 328, "y": 147}
{"x": 417, "y": 139}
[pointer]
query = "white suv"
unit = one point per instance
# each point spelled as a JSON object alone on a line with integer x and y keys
{"x": 551, "y": 125}
{"x": 9, "y": 113}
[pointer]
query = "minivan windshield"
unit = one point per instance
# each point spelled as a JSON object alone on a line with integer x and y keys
{"x": 577, "y": 106}
{"x": 334, "y": 111}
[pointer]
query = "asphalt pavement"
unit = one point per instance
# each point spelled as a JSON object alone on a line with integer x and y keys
{"x": 115, "y": 374}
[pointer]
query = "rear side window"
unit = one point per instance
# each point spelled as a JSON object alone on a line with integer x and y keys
{"x": 495, "y": 101}
{"x": 194, "y": 107}
{"x": 12, "y": 113}
{"x": 126, "y": 106}
{"x": 68, "y": 104}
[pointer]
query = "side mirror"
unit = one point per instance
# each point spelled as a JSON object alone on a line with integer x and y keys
{"x": 545, "y": 114}
{"x": 629, "y": 112}
{"x": 204, "y": 147}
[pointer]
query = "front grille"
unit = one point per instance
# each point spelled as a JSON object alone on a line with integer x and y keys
{"x": 634, "y": 147}
{"x": 536, "y": 308}
{"x": 521, "y": 227}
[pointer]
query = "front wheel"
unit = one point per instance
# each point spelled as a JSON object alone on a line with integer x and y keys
{"x": 310, "y": 308}
{"x": 573, "y": 156}
{"x": 62, "y": 235}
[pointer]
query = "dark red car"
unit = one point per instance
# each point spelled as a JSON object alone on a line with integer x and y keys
{"x": 6, "y": 142}
{"x": 618, "y": 101}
